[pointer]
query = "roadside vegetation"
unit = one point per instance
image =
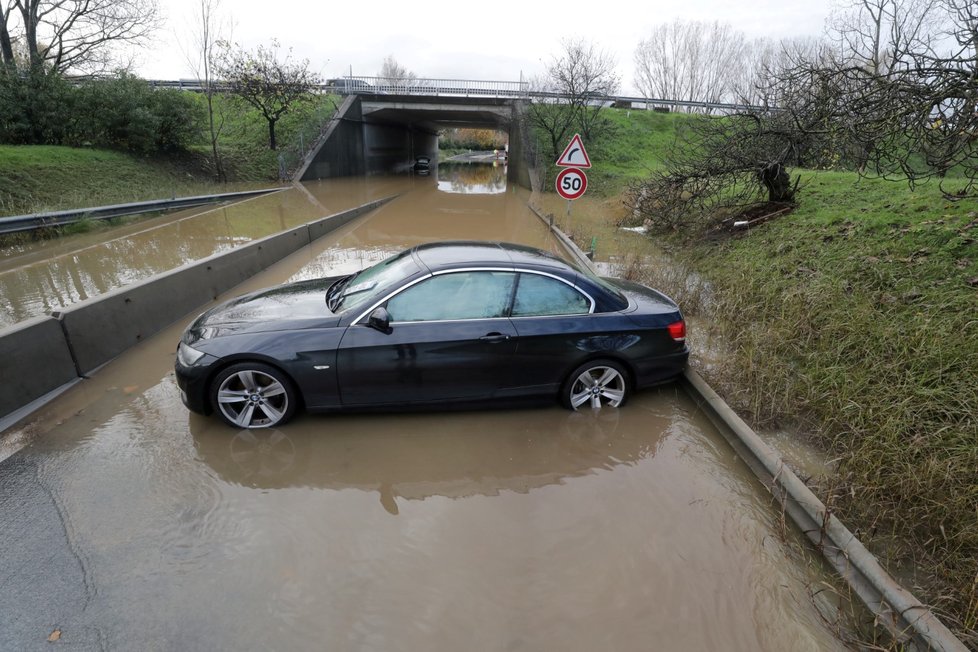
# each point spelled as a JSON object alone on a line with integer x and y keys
{"x": 853, "y": 321}
{"x": 117, "y": 140}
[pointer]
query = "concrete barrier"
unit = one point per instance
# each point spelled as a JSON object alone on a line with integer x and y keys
{"x": 34, "y": 359}
{"x": 42, "y": 354}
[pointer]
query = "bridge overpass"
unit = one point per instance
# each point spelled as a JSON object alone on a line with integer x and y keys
{"x": 375, "y": 132}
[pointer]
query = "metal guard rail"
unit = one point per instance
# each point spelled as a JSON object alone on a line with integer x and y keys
{"x": 20, "y": 223}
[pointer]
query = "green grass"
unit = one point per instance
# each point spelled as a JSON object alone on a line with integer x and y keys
{"x": 855, "y": 321}
{"x": 42, "y": 178}
{"x": 857, "y": 316}
{"x": 635, "y": 147}
{"x": 244, "y": 136}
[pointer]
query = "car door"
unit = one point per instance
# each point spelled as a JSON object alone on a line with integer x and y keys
{"x": 449, "y": 339}
{"x": 552, "y": 318}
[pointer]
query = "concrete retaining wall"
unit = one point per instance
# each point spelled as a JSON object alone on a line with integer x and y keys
{"x": 44, "y": 353}
{"x": 344, "y": 156}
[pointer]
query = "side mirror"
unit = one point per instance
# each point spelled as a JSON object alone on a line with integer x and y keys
{"x": 380, "y": 320}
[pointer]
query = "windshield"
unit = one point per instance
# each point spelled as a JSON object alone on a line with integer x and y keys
{"x": 372, "y": 281}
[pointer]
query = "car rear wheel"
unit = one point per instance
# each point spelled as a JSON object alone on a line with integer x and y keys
{"x": 595, "y": 384}
{"x": 253, "y": 395}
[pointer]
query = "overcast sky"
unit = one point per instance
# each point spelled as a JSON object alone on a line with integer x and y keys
{"x": 462, "y": 39}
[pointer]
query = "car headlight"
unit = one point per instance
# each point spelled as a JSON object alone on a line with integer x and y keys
{"x": 187, "y": 355}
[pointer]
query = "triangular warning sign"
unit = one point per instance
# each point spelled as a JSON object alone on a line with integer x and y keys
{"x": 574, "y": 156}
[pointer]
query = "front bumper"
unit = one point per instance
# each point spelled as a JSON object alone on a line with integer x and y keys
{"x": 192, "y": 381}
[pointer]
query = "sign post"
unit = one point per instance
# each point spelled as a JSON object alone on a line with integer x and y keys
{"x": 572, "y": 181}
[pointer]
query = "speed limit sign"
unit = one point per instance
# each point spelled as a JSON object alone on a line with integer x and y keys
{"x": 571, "y": 183}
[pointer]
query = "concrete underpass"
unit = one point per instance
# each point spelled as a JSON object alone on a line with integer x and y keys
{"x": 384, "y": 134}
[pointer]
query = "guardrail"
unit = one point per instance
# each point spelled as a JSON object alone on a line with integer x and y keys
{"x": 20, "y": 223}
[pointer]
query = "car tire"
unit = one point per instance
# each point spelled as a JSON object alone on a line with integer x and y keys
{"x": 596, "y": 384}
{"x": 253, "y": 395}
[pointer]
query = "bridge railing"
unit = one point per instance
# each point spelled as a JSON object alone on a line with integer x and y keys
{"x": 483, "y": 88}
{"x": 428, "y": 86}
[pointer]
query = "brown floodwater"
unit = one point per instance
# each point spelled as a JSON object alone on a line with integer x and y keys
{"x": 131, "y": 524}
{"x": 37, "y": 277}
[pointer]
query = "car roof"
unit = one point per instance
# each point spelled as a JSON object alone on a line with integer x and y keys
{"x": 467, "y": 253}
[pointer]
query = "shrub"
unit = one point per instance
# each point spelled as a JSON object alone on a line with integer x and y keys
{"x": 126, "y": 113}
{"x": 33, "y": 108}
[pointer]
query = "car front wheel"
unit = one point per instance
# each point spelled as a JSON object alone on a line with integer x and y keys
{"x": 596, "y": 384}
{"x": 253, "y": 395}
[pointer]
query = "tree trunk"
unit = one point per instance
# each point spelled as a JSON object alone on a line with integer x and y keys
{"x": 218, "y": 164}
{"x": 6, "y": 47}
{"x": 271, "y": 134}
{"x": 775, "y": 178}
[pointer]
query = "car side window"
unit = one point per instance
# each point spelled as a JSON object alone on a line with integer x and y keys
{"x": 538, "y": 295}
{"x": 457, "y": 295}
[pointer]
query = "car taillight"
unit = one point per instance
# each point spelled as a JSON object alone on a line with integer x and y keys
{"x": 677, "y": 330}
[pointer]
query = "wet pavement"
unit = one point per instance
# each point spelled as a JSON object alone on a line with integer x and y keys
{"x": 129, "y": 523}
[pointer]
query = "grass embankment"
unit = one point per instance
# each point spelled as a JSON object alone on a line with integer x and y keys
{"x": 629, "y": 148}
{"x": 43, "y": 178}
{"x": 857, "y": 316}
{"x": 244, "y": 137}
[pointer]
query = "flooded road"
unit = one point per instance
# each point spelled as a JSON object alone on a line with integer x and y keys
{"x": 129, "y": 523}
{"x": 37, "y": 277}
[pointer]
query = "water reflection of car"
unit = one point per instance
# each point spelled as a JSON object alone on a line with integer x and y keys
{"x": 409, "y": 457}
{"x": 422, "y": 165}
{"x": 443, "y": 323}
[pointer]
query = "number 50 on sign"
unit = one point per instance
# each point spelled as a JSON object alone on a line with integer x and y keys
{"x": 571, "y": 183}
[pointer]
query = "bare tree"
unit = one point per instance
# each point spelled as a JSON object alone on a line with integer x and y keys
{"x": 272, "y": 85}
{"x": 882, "y": 35}
{"x": 587, "y": 76}
{"x": 205, "y": 35}
{"x": 901, "y": 108}
{"x": 905, "y": 90}
{"x": 394, "y": 74}
{"x": 80, "y": 35}
{"x": 549, "y": 115}
{"x": 721, "y": 166}
{"x": 690, "y": 61}
{"x": 573, "y": 93}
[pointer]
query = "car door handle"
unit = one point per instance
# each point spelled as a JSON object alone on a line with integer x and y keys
{"x": 494, "y": 337}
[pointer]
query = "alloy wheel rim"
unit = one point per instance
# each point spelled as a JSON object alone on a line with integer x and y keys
{"x": 252, "y": 399}
{"x": 600, "y": 386}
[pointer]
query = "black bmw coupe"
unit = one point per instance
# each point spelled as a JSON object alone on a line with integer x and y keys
{"x": 452, "y": 322}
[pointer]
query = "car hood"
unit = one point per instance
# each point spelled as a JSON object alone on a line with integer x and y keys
{"x": 285, "y": 307}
